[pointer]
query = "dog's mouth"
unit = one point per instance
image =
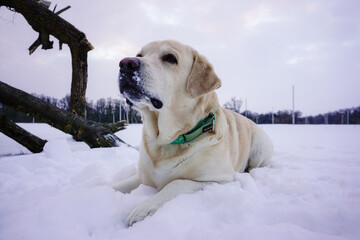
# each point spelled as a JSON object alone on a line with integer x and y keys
{"x": 132, "y": 90}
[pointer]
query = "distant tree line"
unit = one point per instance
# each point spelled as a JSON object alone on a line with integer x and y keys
{"x": 342, "y": 116}
{"x": 108, "y": 111}
{"x": 103, "y": 110}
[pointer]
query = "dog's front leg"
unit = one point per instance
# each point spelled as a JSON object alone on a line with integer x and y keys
{"x": 127, "y": 185}
{"x": 169, "y": 192}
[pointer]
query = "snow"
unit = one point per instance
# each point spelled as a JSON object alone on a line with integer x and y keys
{"x": 310, "y": 191}
{"x": 136, "y": 77}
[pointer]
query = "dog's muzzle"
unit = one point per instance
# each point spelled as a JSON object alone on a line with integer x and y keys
{"x": 130, "y": 82}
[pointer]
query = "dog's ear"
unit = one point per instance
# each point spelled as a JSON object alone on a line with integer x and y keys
{"x": 202, "y": 78}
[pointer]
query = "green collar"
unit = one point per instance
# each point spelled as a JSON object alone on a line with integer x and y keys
{"x": 203, "y": 126}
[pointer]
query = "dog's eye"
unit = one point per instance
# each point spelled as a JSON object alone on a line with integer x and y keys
{"x": 139, "y": 55}
{"x": 170, "y": 58}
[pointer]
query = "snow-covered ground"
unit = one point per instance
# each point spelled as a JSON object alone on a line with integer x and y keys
{"x": 311, "y": 191}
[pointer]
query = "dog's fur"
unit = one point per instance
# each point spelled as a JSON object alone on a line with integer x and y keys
{"x": 186, "y": 91}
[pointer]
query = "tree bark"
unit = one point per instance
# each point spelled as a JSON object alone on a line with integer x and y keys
{"x": 46, "y": 22}
{"x": 94, "y": 134}
{"x": 78, "y": 87}
{"x": 28, "y": 140}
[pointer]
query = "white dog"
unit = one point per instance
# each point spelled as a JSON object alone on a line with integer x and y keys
{"x": 189, "y": 140}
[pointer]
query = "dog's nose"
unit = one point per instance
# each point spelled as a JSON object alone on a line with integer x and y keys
{"x": 129, "y": 64}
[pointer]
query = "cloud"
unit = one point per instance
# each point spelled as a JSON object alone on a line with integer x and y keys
{"x": 258, "y": 17}
{"x": 258, "y": 48}
{"x": 113, "y": 51}
{"x": 303, "y": 52}
{"x": 157, "y": 16}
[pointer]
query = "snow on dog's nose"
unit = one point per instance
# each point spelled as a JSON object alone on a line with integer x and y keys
{"x": 130, "y": 83}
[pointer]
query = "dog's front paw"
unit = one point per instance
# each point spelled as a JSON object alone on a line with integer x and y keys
{"x": 141, "y": 212}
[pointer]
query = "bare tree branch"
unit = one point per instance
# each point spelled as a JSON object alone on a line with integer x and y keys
{"x": 94, "y": 134}
{"x": 28, "y": 140}
{"x": 47, "y": 23}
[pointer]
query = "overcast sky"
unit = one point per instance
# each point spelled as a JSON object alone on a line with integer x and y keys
{"x": 259, "y": 49}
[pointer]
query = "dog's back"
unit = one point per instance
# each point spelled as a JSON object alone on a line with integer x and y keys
{"x": 248, "y": 154}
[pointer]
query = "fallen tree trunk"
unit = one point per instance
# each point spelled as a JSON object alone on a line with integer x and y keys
{"x": 28, "y": 140}
{"x": 92, "y": 133}
{"x": 47, "y": 23}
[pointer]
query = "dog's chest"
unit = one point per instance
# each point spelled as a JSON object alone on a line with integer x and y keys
{"x": 163, "y": 165}
{"x": 163, "y": 171}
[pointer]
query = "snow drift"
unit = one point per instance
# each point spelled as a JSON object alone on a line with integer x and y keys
{"x": 310, "y": 191}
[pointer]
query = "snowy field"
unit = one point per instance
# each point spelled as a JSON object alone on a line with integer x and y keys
{"x": 310, "y": 191}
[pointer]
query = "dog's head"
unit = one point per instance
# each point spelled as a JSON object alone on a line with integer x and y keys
{"x": 169, "y": 80}
{"x": 164, "y": 72}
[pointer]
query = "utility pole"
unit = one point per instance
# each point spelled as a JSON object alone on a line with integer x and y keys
{"x": 272, "y": 115}
{"x": 326, "y": 118}
{"x": 127, "y": 115}
{"x": 293, "y": 104}
{"x": 120, "y": 110}
{"x": 245, "y": 107}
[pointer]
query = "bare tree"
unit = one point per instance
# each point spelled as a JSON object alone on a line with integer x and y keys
{"x": 47, "y": 23}
{"x": 234, "y": 104}
{"x": 94, "y": 134}
{"x": 30, "y": 141}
